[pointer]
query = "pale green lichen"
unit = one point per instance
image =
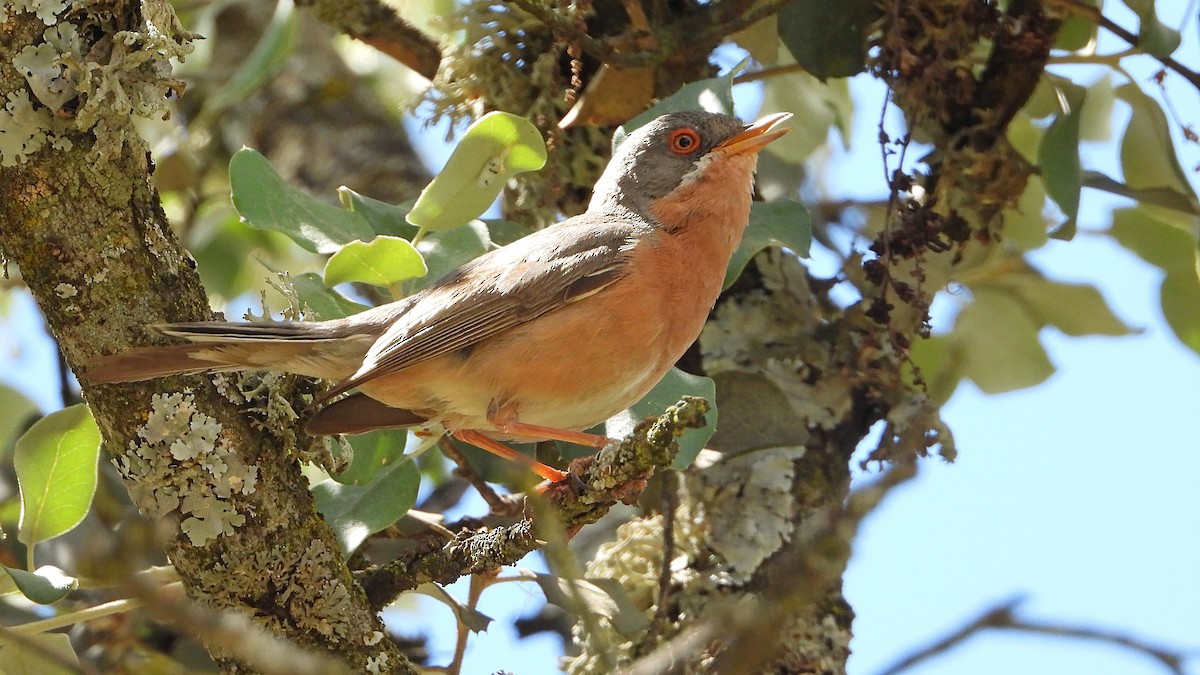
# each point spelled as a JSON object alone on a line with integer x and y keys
{"x": 742, "y": 509}
{"x": 110, "y": 79}
{"x": 46, "y": 10}
{"x": 181, "y": 468}
{"x": 318, "y": 599}
{"x": 738, "y": 513}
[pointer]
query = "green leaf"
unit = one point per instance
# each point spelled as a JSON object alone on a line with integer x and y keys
{"x": 30, "y": 655}
{"x": 1180, "y": 298}
{"x": 1148, "y": 158}
{"x": 45, "y": 586}
{"x": 324, "y": 301}
{"x": 267, "y": 202}
{"x": 998, "y": 343}
{"x": 713, "y": 95}
{"x": 1154, "y": 37}
{"x": 495, "y": 148}
{"x": 940, "y": 364}
{"x": 56, "y": 469}
{"x": 1076, "y": 31}
{"x": 384, "y": 218}
{"x": 601, "y": 597}
{"x": 1074, "y": 309}
{"x": 1156, "y": 242}
{"x": 820, "y": 104}
{"x": 1025, "y": 226}
{"x": 1163, "y": 197}
{"x": 383, "y": 261}
{"x": 753, "y": 415}
{"x": 18, "y": 410}
{"x": 1096, "y": 123}
{"x": 374, "y": 451}
{"x": 828, "y": 38}
{"x": 1058, "y": 155}
{"x": 666, "y": 393}
{"x": 760, "y": 39}
{"x": 355, "y": 512}
{"x": 443, "y": 252}
{"x": 783, "y": 223}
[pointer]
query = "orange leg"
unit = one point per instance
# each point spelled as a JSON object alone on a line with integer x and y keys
{"x": 505, "y": 419}
{"x": 497, "y": 448}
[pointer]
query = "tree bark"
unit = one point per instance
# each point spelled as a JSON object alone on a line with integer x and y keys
{"x": 84, "y": 227}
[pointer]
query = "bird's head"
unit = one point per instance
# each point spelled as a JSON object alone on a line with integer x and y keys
{"x": 675, "y": 150}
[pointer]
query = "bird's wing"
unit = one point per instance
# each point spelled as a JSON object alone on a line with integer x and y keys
{"x": 503, "y": 289}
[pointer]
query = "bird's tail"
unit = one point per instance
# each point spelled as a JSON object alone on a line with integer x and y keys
{"x": 317, "y": 349}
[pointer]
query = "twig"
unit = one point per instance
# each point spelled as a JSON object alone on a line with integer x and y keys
{"x": 1003, "y": 616}
{"x": 769, "y": 72}
{"x": 670, "y": 503}
{"x": 71, "y": 618}
{"x": 616, "y": 473}
{"x": 501, "y": 505}
{"x": 1079, "y": 8}
{"x": 379, "y": 25}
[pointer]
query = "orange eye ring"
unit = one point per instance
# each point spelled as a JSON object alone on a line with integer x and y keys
{"x": 684, "y": 141}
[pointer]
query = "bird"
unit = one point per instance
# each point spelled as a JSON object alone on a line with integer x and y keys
{"x": 537, "y": 340}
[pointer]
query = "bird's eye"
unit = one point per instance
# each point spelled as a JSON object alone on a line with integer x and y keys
{"x": 684, "y": 141}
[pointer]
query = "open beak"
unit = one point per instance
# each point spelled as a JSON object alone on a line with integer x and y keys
{"x": 756, "y": 136}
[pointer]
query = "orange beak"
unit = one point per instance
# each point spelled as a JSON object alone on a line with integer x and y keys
{"x": 755, "y": 136}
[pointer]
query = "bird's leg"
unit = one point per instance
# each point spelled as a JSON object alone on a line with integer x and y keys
{"x": 505, "y": 419}
{"x": 497, "y": 448}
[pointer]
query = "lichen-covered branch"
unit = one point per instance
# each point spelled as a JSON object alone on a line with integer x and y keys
{"x": 617, "y": 473}
{"x": 82, "y": 223}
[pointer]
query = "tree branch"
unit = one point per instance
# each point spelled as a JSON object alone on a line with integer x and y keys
{"x": 381, "y": 26}
{"x": 1003, "y": 616}
{"x": 83, "y": 222}
{"x": 617, "y": 473}
{"x": 1091, "y": 13}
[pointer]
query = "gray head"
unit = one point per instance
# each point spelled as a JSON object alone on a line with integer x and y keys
{"x": 654, "y": 159}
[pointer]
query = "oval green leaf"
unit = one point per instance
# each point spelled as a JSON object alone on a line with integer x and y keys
{"x": 998, "y": 342}
{"x": 383, "y": 261}
{"x": 495, "y": 148}
{"x": 713, "y": 95}
{"x": 56, "y": 469}
{"x": 355, "y": 512}
{"x": 45, "y": 586}
{"x": 783, "y": 223}
{"x": 1058, "y": 155}
{"x": 1180, "y": 298}
{"x": 1148, "y": 158}
{"x": 267, "y": 202}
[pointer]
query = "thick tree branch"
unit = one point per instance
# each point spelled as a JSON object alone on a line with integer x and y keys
{"x": 84, "y": 225}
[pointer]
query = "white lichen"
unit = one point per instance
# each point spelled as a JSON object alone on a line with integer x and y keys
{"x": 65, "y": 290}
{"x": 110, "y": 80}
{"x": 181, "y": 468}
